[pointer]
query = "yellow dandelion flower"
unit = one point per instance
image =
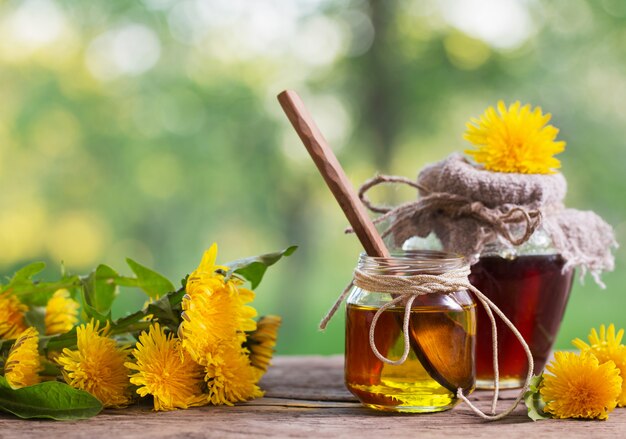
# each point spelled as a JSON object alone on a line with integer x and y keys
{"x": 580, "y": 387}
{"x": 516, "y": 139}
{"x": 606, "y": 346}
{"x": 214, "y": 310}
{"x": 61, "y": 313}
{"x": 261, "y": 342}
{"x": 216, "y": 314}
{"x": 97, "y": 366}
{"x": 11, "y": 316}
{"x": 208, "y": 269}
{"x": 23, "y": 362}
{"x": 166, "y": 371}
{"x": 230, "y": 377}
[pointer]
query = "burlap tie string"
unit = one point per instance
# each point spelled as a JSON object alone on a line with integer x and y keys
{"x": 405, "y": 289}
{"x": 499, "y": 219}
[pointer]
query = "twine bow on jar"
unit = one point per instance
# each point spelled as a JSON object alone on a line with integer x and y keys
{"x": 405, "y": 289}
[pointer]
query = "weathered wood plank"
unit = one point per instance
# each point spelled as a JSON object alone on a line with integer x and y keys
{"x": 314, "y": 378}
{"x": 305, "y": 398}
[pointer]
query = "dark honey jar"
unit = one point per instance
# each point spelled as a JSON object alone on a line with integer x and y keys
{"x": 531, "y": 287}
{"x": 441, "y": 333}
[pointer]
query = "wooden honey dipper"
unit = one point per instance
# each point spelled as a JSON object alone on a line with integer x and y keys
{"x": 333, "y": 174}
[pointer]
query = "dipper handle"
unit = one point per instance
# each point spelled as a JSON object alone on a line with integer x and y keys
{"x": 333, "y": 173}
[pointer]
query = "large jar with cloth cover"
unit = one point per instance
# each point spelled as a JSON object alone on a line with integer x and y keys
{"x": 522, "y": 243}
{"x": 410, "y": 333}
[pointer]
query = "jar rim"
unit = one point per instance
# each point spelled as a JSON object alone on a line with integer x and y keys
{"x": 416, "y": 255}
{"x": 413, "y": 261}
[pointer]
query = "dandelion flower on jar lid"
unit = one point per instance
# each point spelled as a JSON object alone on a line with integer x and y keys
{"x": 514, "y": 139}
{"x": 580, "y": 387}
{"x": 11, "y": 316}
{"x": 97, "y": 366}
{"x": 261, "y": 342}
{"x": 23, "y": 362}
{"x": 61, "y": 313}
{"x": 607, "y": 346}
{"x": 166, "y": 371}
{"x": 230, "y": 377}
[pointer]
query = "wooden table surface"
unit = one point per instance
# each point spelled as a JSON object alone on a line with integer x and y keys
{"x": 305, "y": 397}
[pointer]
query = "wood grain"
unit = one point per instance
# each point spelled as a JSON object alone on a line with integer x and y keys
{"x": 333, "y": 173}
{"x": 306, "y": 398}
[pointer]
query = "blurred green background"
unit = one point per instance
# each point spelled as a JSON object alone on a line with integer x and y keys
{"x": 150, "y": 129}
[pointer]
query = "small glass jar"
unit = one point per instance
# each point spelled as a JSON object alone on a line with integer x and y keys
{"x": 531, "y": 288}
{"x": 442, "y": 339}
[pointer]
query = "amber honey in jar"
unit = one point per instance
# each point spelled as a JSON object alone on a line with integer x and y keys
{"x": 441, "y": 334}
{"x": 531, "y": 287}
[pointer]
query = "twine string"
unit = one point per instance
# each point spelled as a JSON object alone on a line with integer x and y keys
{"x": 495, "y": 360}
{"x": 453, "y": 205}
{"x": 407, "y": 289}
{"x": 405, "y": 329}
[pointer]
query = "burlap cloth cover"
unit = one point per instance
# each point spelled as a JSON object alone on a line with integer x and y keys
{"x": 581, "y": 237}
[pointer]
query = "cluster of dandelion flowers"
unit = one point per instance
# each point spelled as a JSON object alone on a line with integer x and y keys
{"x": 23, "y": 362}
{"x": 580, "y": 387}
{"x": 11, "y": 316}
{"x": 61, "y": 313}
{"x": 166, "y": 371}
{"x": 216, "y": 319}
{"x": 607, "y": 346}
{"x": 515, "y": 139}
{"x": 97, "y": 366}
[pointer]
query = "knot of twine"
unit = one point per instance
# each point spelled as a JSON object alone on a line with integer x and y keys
{"x": 405, "y": 289}
{"x": 452, "y": 205}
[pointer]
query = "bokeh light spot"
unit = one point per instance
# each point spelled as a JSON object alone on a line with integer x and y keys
{"x": 320, "y": 41}
{"x": 21, "y": 232}
{"x": 361, "y": 32}
{"x": 504, "y": 24}
{"x": 131, "y": 50}
{"x": 465, "y": 52}
{"x": 77, "y": 238}
{"x": 36, "y": 23}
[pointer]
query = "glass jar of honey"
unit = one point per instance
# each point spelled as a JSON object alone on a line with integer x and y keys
{"x": 530, "y": 286}
{"x": 441, "y": 333}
